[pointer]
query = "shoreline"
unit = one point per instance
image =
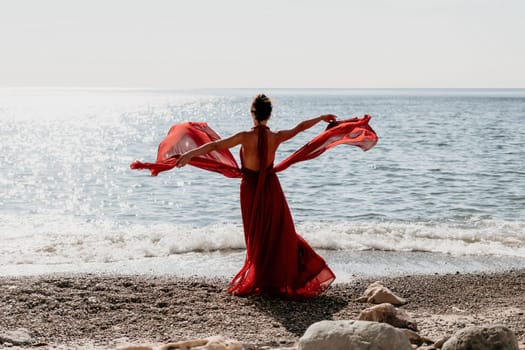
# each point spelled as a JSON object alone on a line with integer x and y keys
{"x": 347, "y": 265}
{"x": 69, "y": 310}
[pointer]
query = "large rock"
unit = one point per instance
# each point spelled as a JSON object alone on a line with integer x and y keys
{"x": 387, "y": 313}
{"x": 482, "y": 338}
{"x": 353, "y": 335}
{"x": 20, "y": 336}
{"x": 377, "y": 293}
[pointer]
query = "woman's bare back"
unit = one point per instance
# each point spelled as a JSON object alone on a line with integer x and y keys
{"x": 250, "y": 153}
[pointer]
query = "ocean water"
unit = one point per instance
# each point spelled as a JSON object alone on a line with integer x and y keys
{"x": 442, "y": 191}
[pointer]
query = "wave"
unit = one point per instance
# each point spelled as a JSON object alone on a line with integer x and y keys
{"x": 45, "y": 239}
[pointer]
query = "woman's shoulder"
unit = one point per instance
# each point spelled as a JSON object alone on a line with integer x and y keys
{"x": 243, "y": 134}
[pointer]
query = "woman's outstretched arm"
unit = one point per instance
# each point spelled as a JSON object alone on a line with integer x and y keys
{"x": 229, "y": 142}
{"x": 285, "y": 135}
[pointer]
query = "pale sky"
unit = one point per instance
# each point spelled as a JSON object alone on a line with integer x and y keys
{"x": 275, "y": 43}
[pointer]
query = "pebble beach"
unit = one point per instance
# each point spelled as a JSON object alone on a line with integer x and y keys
{"x": 93, "y": 311}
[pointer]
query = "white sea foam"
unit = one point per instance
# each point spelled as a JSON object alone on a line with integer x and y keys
{"x": 475, "y": 237}
{"x": 48, "y": 239}
{"x": 53, "y": 240}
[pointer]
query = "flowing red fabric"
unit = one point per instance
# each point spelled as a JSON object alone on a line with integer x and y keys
{"x": 278, "y": 262}
{"x": 187, "y": 136}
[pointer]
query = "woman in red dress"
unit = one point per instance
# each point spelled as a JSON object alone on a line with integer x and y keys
{"x": 278, "y": 262}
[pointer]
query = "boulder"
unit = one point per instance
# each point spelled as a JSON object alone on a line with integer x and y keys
{"x": 377, "y": 293}
{"x": 353, "y": 335}
{"x": 482, "y": 338}
{"x": 21, "y": 336}
{"x": 211, "y": 343}
{"x": 387, "y": 313}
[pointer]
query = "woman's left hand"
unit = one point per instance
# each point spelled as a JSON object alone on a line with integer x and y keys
{"x": 329, "y": 118}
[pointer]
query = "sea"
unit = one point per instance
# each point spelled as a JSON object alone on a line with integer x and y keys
{"x": 443, "y": 191}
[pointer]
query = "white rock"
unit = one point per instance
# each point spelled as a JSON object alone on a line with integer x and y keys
{"x": 353, "y": 335}
{"x": 211, "y": 343}
{"x": 137, "y": 347}
{"x": 21, "y": 336}
{"x": 377, "y": 293}
{"x": 482, "y": 338}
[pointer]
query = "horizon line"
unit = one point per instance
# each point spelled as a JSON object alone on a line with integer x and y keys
{"x": 79, "y": 87}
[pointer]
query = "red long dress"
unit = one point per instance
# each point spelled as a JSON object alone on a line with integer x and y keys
{"x": 278, "y": 261}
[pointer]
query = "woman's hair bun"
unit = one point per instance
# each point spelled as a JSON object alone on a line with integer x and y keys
{"x": 261, "y": 107}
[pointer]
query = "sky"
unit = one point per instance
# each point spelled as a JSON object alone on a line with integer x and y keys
{"x": 256, "y": 44}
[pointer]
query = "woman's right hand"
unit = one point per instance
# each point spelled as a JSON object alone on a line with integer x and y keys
{"x": 183, "y": 159}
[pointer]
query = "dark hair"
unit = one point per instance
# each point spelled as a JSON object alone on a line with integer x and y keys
{"x": 261, "y": 107}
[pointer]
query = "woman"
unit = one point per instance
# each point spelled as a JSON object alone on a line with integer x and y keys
{"x": 278, "y": 261}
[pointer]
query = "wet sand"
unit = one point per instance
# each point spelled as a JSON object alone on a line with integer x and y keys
{"x": 102, "y": 311}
